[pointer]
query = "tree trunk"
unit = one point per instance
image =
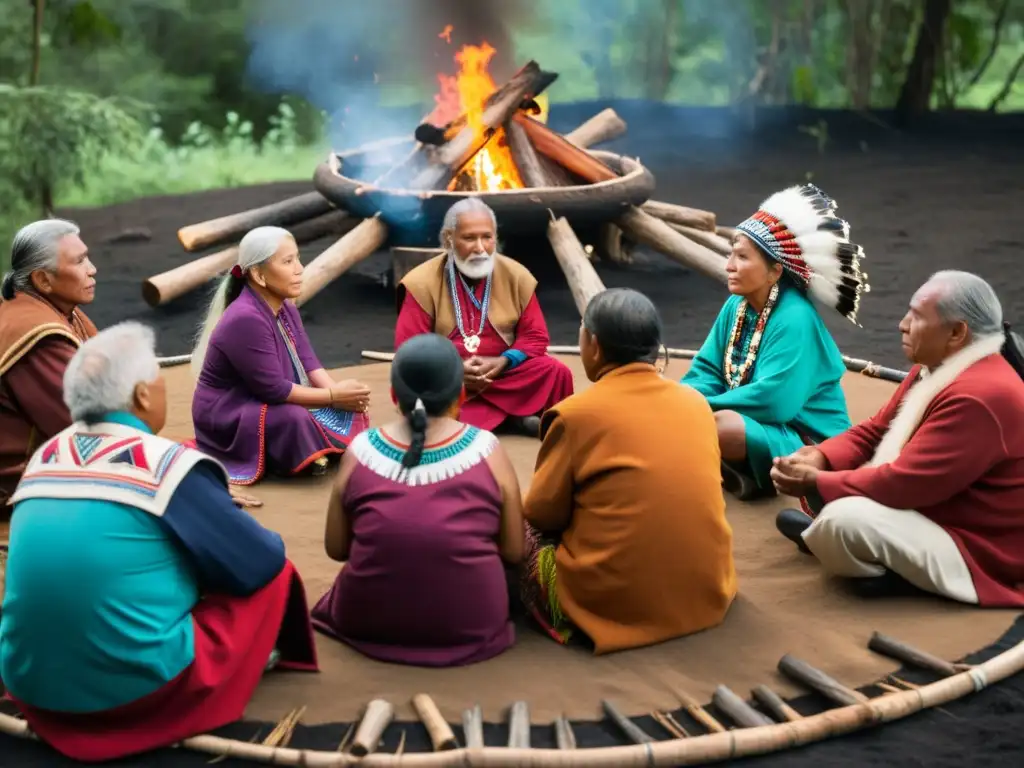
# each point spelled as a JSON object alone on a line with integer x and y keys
{"x": 37, "y": 41}
{"x": 915, "y": 96}
{"x": 860, "y": 55}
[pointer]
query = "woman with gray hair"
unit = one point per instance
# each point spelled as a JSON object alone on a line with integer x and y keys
{"x": 41, "y": 326}
{"x": 263, "y": 401}
{"x": 142, "y": 607}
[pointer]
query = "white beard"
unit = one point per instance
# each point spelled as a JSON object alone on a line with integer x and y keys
{"x": 476, "y": 267}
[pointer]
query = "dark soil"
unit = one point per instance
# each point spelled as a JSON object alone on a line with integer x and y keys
{"x": 947, "y": 194}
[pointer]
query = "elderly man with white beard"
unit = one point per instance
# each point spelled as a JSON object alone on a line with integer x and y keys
{"x": 486, "y": 304}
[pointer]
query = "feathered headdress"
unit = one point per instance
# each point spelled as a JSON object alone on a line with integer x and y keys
{"x": 799, "y": 229}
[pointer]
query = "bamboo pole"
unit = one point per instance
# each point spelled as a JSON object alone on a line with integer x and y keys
{"x": 379, "y": 714}
{"x": 737, "y": 709}
{"x": 580, "y": 274}
{"x": 743, "y": 742}
{"x": 519, "y": 726}
{"x": 701, "y": 715}
{"x": 813, "y": 678}
{"x": 771, "y": 701}
{"x": 441, "y": 736}
{"x": 353, "y": 247}
{"x": 473, "y": 727}
{"x": 894, "y": 649}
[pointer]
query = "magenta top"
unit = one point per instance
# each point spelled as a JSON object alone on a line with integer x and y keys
{"x": 424, "y": 583}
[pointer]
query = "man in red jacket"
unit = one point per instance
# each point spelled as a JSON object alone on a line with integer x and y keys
{"x": 930, "y": 490}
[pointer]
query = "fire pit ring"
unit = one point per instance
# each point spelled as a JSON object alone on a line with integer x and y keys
{"x": 525, "y": 210}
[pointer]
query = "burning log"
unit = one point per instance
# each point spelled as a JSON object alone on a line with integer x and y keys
{"x": 343, "y": 255}
{"x": 167, "y": 286}
{"x": 535, "y": 170}
{"x": 680, "y": 214}
{"x": 604, "y": 126}
{"x": 707, "y": 239}
{"x": 655, "y": 233}
{"x": 564, "y": 153}
{"x": 196, "y": 237}
{"x": 472, "y": 138}
{"x": 572, "y": 258}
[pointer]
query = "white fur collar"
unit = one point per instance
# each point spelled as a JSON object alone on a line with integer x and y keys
{"x": 920, "y": 395}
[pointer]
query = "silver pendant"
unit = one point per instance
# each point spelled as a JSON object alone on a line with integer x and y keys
{"x": 472, "y": 344}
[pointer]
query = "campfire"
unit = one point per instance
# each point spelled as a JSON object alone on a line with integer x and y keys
{"x": 481, "y": 139}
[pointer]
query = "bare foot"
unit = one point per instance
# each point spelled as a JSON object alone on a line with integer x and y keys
{"x": 243, "y": 500}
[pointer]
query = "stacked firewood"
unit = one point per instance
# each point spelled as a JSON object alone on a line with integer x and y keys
{"x": 436, "y": 163}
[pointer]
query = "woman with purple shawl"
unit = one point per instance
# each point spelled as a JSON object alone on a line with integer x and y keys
{"x": 263, "y": 401}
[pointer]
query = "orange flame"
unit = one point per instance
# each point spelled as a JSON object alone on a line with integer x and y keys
{"x": 446, "y": 33}
{"x": 492, "y": 168}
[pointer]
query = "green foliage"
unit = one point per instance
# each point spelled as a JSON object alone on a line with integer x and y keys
{"x": 50, "y": 137}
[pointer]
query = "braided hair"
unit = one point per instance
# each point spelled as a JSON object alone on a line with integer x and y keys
{"x": 426, "y": 378}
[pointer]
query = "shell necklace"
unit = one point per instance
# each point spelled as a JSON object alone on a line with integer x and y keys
{"x": 471, "y": 342}
{"x": 735, "y": 375}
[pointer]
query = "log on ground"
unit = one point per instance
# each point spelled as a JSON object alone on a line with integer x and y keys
{"x": 612, "y": 246}
{"x": 604, "y": 126}
{"x": 680, "y": 214}
{"x": 206, "y": 234}
{"x": 583, "y": 280}
{"x": 167, "y": 286}
{"x": 351, "y": 249}
{"x": 655, "y": 233}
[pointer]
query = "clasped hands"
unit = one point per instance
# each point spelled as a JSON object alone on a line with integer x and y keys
{"x": 350, "y": 395}
{"x": 479, "y": 372}
{"x": 797, "y": 474}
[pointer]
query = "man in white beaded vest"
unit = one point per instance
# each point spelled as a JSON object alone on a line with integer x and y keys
{"x": 486, "y": 304}
{"x": 929, "y": 492}
{"x": 142, "y": 606}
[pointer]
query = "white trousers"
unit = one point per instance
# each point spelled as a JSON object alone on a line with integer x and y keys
{"x": 856, "y": 537}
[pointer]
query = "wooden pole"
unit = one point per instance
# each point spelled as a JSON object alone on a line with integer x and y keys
{"x": 680, "y": 214}
{"x": 519, "y": 726}
{"x": 813, "y": 678}
{"x": 473, "y": 727}
{"x": 772, "y": 702}
{"x": 610, "y": 245}
{"x": 604, "y": 126}
{"x": 167, "y": 286}
{"x": 644, "y": 228}
{"x": 705, "y": 238}
{"x": 701, "y": 715}
{"x": 377, "y": 717}
{"x": 737, "y": 709}
{"x": 633, "y": 731}
{"x": 894, "y": 649}
{"x": 441, "y": 735}
{"x": 572, "y": 258}
{"x": 351, "y": 249}
{"x": 564, "y": 736}
{"x": 207, "y": 234}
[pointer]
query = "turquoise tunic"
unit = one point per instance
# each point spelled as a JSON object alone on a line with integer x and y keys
{"x": 794, "y": 390}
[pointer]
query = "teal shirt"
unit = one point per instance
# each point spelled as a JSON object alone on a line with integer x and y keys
{"x": 795, "y": 387}
{"x": 97, "y": 610}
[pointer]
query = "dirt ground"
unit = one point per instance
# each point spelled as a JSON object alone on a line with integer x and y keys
{"x": 947, "y": 195}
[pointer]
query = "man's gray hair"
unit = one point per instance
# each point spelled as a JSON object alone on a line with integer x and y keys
{"x": 967, "y": 298}
{"x": 102, "y": 376}
{"x": 35, "y": 246}
{"x": 466, "y": 205}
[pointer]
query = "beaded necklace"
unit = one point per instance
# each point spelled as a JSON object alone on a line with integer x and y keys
{"x": 471, "y": 343}
{"x": 736, "y": 375}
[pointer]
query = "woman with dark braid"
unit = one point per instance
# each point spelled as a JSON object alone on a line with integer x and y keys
{"x": 425, "y": 513}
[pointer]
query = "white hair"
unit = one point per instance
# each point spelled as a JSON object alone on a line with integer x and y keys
{"x": 465, "y": 205}
{"x": 258, "y": 246}
{"x": 102, "y": 376}
{"x": 35, "y": 246}
{"x": 967, "y": 298}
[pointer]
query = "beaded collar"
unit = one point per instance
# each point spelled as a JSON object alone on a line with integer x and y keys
{"x": 737, "y": 375}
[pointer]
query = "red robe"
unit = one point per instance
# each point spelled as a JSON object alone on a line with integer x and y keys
{"x": 962, "y": 467}
{"x": 527, "y": 388}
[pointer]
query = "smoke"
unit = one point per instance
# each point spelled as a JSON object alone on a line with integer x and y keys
{"x": 350, "y": 57}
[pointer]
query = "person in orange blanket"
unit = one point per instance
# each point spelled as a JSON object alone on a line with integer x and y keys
{"x": 142, "y": 606}
{"x": 487, "y": 305}
{"x": 928, "y": 493}
{"x": 628, "y": 484}
{"x": 41, "y": 326}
